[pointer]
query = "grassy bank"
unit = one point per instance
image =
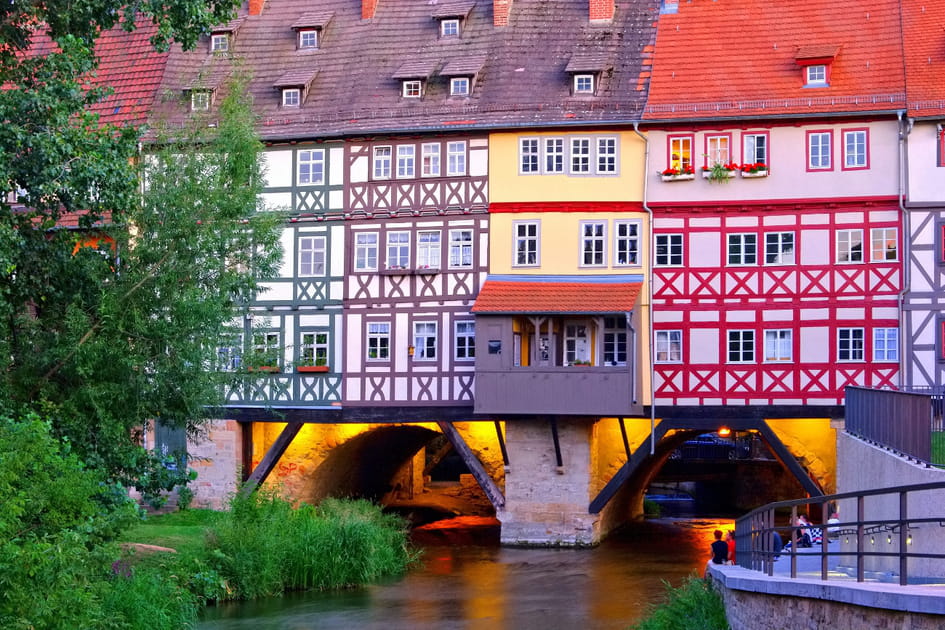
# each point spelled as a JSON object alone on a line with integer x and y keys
{"x": 695, "y": 605}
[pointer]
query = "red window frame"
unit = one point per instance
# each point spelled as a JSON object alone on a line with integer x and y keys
{"x": 819, "y": 169}
{"x": 843, "y": 150}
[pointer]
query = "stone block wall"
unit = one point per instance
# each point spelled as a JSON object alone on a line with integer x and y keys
{"x": 216, "y": 457}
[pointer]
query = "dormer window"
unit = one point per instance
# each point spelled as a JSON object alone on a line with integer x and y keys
{"x": 459, "y": 86}
{"x": 586, "y": 69}
{"x": 199, "y": 100}
{"x": 413, "y": 76}
{"x": 291, "y": 97}
{"x": 308, "y": 38}
{"x": 219, "y": 42}
{"x": 815, "y": 62}
{"x": 584, "y": 84}
{"x": 816, "y": 75}
{"x": 451, "y": 14}
{"x": 412, "y": 89}
{"x": 294, "y": 85}
{"x": 449, "y": 28}
{"x": 462, "y": 74}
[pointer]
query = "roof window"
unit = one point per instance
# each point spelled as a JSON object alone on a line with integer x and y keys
{"x": 309, "y": 28}
{"x": 451, "y": 17}
{"x": 815, "y": 62}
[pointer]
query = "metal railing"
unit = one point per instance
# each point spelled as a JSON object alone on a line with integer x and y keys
{"x": 903, "y": 421}
{"x": 755, "y": 546}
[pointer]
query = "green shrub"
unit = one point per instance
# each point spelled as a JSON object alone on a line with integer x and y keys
{"x": 148, "y": 598}
{"x": 652, "y": 508}
{"x": 695, "y": 605}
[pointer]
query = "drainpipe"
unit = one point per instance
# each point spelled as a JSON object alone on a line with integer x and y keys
{"x": 905, "y": 127}
{"x": 649, "y": 287}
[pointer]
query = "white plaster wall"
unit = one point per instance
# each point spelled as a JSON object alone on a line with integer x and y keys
{"x": 926, "y": 179}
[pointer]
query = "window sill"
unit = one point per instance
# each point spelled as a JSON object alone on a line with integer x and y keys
{"x": 426, "y": 271}
{"x": 312, "y": 368}
{"x": 754, "y": 175}
{"x": 708, "y": 174}
{"x": 394, "y": 272}
{"x": 677, "y": 178}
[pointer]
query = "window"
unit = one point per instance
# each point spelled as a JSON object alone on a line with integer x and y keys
{"x": 756, "y": 148}
{"x": 406, "y": 160}
{"x": 886, "y": 344}
{"x": 459, "y": 86}
{"x": 412, "y": 88}
{"x": 554, "y": 155}
{"x": 606, "y": 155}
{"x": 312, "y": 255}
{"x": 456, "y": 158}
{"x": 200, "y": 100}
{"x": 940, "y": 141}
{"x": 575, "y": 344}
{"x": 680, "y": 152}
{"x": 669, "y": 346}
{"x": 584, "y": 84}
{"x": 627, "y": 243}
{"x": 528, "y": 154}
{"x": 741, "y": 346}
{"x": 312, "y": 167}
{"x": 856, "y": 149}
{"x": 424, "y": 341}
{"x": 430, "y": 160}
{"x": 818, "y": 150}
{"x": 398, "y": 250}
{"x": 266, "y": 349}
{"x": 742, "y": 249}
{"x": 465, "y": 341}
{"x": 593, "y": 244}
{"x": 815, "y": 75}
{"x": 230, "y": 354}
{"x": 778, "y": 346}
{"x": 382, "y": 162}
{"x": 449, "y": 28}
{"x": 526, "y": 243}
{"x": 717, "y": 150}
{"x": 291, "y": 97}
{"x": 779, "y": 248}
{"x": 885, "y": 244}
{"x": 849, "y": 246}
{"x": 615, "y": 341}
{"x": 428, "y": 250}
{"x": 308, "y": 38}
{"x": 365, "y": 251}
{"x": 580, "y": 155}
{"x": 378, "y": 341}
{"x": 669, "y": 249}
{"x": 219, "y": 42}
{"x": 461, "y": 249}
{"x": 314, "y": 348}
{"x": 850, "y": 344}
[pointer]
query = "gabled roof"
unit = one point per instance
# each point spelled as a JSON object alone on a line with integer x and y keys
{"x": 456, "y": 9}
{"x": 313, "y": 20}
{"x": 923, "y": 24}
{"x": 586, "y": 295}
{"x": 739, "y": 58}
{"x": 465, "y": 66}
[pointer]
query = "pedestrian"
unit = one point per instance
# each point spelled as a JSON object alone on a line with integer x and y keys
{"x": 719, "y": 549}
{"x": 730, "y": 542}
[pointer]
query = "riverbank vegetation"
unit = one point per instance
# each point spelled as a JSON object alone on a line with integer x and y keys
{"x": 695, "y": 605}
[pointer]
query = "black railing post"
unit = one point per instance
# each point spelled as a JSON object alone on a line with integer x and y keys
{"x": 860, "y": 570}
{"x": 903, "y": 525}
{"x": 794, "y": 541}
{"x": 824, "y": 539}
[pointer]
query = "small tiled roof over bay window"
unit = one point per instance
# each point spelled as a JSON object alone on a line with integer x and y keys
{"x": 294, "y": 86}
{"x": 309, "y": 28}
{"x": 451, "y": 17}
{"x": 815, "y": 61}
{"x": 462, "y": 74}
{"x": 413, "y": 76}
{"x": 222, "y": 36}
{"x": 585, "y": 70}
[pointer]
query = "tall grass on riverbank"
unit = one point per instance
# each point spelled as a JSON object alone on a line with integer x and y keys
{"x": 695, "y": 605}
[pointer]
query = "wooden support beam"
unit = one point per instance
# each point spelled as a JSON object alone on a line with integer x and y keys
{"x": 488, "y": 486}
{"x": 437, "y": 457}
{"x": 271, "y": 458}
{"x": 783, "y": 454}
{"x": 623, "y": 433}
{"x": 626, "y": 471}
{"x": 498, "y": 433}
{"x": 554, "y": 436}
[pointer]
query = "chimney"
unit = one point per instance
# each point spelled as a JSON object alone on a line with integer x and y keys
{"x": 256, "y": 7}
{"x": 500, "y": 12}
{"x": 601, "y": 10}
{"x": 368, "y": 7}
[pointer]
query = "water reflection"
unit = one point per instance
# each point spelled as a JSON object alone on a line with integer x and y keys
{"x": 502, "y": 588}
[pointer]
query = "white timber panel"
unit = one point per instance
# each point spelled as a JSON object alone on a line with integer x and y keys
{"x": 359, "y": 168}
{"x": 336, "y": 264}
{"x": 336, "y": 174}
{"x": 815, "y": 344}
{"x": 276, "y": 201}
{"x": 706, "y": 250}
{"x": 704, "y": 346}
{"x": 815, "y": 249}
{"x": 278, "y": 167}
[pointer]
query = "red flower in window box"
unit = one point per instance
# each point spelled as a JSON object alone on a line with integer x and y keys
{"x": 756, "y": 167}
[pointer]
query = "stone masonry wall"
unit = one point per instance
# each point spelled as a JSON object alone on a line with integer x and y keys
{"x": 216, "y": 458}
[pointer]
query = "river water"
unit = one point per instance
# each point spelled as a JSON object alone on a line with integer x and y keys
{"x": 501, "y": 588}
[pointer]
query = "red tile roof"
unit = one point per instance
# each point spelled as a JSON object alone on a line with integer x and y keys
{"x": 552, "y": 296}
{"x": 727, "y": 58}
{"x": 923, "y": 24}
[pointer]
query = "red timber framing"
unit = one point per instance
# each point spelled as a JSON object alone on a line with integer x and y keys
{"x": 776, "y": 304}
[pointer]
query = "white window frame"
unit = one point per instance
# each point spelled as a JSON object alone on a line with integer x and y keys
{"x": 378, "y": 342}
{"x": 614, "y": 351}
{"x": 461, "y": 249}
{"x": 311, "y": 167}
{"x": 886, "y": 345}
{"x": 456, "y": 158}
{"x": 406, "y": 161}
{"x": 464, "y": 341}
{"x": 425, "y": 341}
{"x": 429, "y": 249}
{"x": 554, "y": 159}
{"x": 776, "y": 246}
{"x": 606, "y": 155}
{"x": 398, "y": 249}
{"x": 819, "y": 151}
{"x": 382, "y": 162}
{"x": 313, "y": 349}
{"x": 627, "y": 243}
{"x": 291, "y": 97}
{"x": 430, "y": 159}
{"x": 680, "y": 152}
{"x": 718, "y": 149}
{"x": 746, "y": 252}
{"x": 219, "y": 42}
{"x": 267, "y": 344}
{"x": 741, "y": 345}
{"x": 847, "y": 340}
{"x": 580, "y": 159}
{"x": 230, "y": 354}
{"x": 526, "y": 243}
{"x": 671, "y": 243}
{"x": 880, "y": 239}
{"x": 308, "y": 38}
{"x": 412, "y": 88}
{"x": 815, "y": 75}
{"x": 668, "y": 346}
{"x": 449, "y": 27}
{"x": 754, "y": 151}
{"x": 847, "y": 240}
{"x": 200, "y": 100}
{"x": 313, "y": 250}
{"x": 584, "y": 83}
{"x": 365, "y": 251}
{"x": 460, "y": 86}
{"x": 593, "y": 243}
{"x": 529, "y": 160}
{"x": 858, "y": 157}
{"x": 779, "y": 346}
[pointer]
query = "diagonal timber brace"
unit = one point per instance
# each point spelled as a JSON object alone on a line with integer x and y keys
{"x": 488, "y": 486}
{"x": 271, "y": 458}
{"x": 626, "y": 471}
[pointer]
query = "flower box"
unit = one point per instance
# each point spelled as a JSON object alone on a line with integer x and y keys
{"x": 264, "y": 368}
{"x": 749, "y": 175}
{"x": 395, "y": 271}
{"x": 426, "y": 271}
{"x": 678, "y": 178}
{"x": 708, "y": 174}
{"x": 311, "y": 368}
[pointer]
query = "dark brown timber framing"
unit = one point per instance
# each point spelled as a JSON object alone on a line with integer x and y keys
{"x": 269, "y": 460}
{"x": 488, "y": 486}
